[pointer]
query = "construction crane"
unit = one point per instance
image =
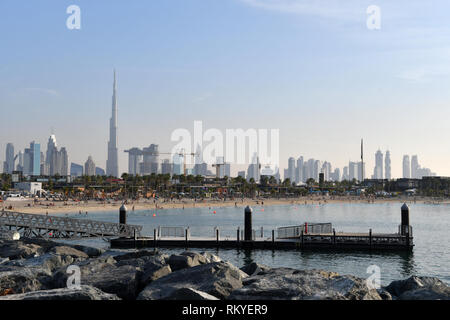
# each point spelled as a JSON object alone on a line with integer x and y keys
{"x": 183, "y": 154}
{"x": 218, "y": 166}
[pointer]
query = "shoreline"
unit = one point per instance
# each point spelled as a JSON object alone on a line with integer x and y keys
{"x": 61, "y": 207}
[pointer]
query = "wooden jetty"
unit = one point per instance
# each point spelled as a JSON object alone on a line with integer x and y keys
{"x": 306, "y": 236}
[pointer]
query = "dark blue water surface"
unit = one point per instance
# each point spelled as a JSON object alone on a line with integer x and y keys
{"x": 431, "y": 223}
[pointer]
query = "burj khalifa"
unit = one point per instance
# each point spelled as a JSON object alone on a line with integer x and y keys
{"x": 112, "y": 165}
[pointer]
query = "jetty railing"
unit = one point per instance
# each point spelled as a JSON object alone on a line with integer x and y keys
{"x": 171, "y": 232}
{"x": 306, "y": 228}
{"x": 37, "y": 225}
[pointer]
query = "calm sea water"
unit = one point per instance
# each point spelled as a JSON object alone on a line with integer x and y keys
{"x": 431, "y": 223}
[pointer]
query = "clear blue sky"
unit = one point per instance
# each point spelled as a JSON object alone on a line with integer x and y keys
{"x": 310, "y": 68}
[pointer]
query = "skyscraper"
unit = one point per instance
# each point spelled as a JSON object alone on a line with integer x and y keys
{"x": 361, "y": 170}
{"x": 415, "y": 167}
{"x": 378, "y": 170}
{"x": 8, "y": 165}
{"x": 51, "y": 157}
{"x": 299, "y": 170}
{"x": 89, "y": 167}
{"x": 112, "y": 165}
{"x": 32, "y": 160}
{"x": 352, "y": 170}
{"x": 291, "y": 170}
{"x": 387, "y": 165}
{"x": 406, "y": 167}
{"x": 134, "y": 160}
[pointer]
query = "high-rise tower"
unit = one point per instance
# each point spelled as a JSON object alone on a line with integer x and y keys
{"x": 406, "y": 167}
{"x": 387, "y": 165}
{"x": 112, "y": 165}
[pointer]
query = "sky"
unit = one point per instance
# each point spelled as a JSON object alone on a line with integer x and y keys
{"x": 310, "y": 68}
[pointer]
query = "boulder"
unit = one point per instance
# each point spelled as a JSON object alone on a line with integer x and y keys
{"x": 189, "y": 294}
{"x": 102, "y": 273}
{"x": 419, "y": 288}
{"x": 178, "y": 262}
{"x": 218, "y": 279}
{"x": 196, "y": 257}
{"x": 254, "y": 268}
{"x": 210, "y": 258}
{"x": 47, "y": 261}
{"x": 16, "y": 279}
{"x": 69, "y": 251}
{"x": 153, "y": 270}
{"x": 84, "y": 293}
{"x": 384, "y": 294}
{"x": 18, "y": 249}
{"x": 90, "y": 251}
{"x": 140, "y": 254}
{"x": 291, "y": 284}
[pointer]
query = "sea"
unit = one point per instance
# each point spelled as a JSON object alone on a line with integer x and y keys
{"x": 430, "y": 223}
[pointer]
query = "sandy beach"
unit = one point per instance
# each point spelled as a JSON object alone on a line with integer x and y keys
{"x": 64, "y": 207}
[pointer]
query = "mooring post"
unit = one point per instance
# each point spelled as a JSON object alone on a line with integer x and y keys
{"x": 273, "y": 236}
{"x": 405, "y": 223}
{"x": 123, "y": 214}
{"x": 370, "y": 238}
{"x": 237, "y": 235}
{"x": 186, "y": 236}
{"x": 248, "y": 224}
{"x": 262, "y": 232}
{"x": 217, "y": 235}
{"x": 334, "y": 236}
{"x": 154, "y": 237}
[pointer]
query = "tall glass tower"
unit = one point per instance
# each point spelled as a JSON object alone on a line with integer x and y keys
{"x": 112, "y": 165}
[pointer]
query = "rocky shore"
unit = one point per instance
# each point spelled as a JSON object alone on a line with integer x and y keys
{"x": 38, "y": 270}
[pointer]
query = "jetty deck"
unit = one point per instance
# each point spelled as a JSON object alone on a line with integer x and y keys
{"x": 363, "y": 241}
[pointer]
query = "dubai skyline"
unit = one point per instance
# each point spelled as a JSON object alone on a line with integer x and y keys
{"x": 378, "y": 85}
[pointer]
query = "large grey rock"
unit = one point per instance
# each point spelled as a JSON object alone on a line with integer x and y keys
{"x": 183, "y": 261}
{"x": 149, "y": 268}
{"x": 69, "y": 251}
{"x": 190, "y": 294}
{"x": 152, "y": 271}
{"x": 16, "y": 279}
{"x": 210, "y": 258}
{"x": 291, "y": 284}
{"x": 84, "y": 293}
{"x": 47, "y": 261}
{"x": 419, "y": 288}
{"x": 218, "y": 279}
{"x": 19, "y": 249}
{"x": 254, "y": 268}
{"x": 103, "y": 274}
{"x": 141, "y": 254}
{"x": 90, "y": 251}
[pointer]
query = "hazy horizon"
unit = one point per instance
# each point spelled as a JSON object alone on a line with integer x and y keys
{"x": 309, "y": 68}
